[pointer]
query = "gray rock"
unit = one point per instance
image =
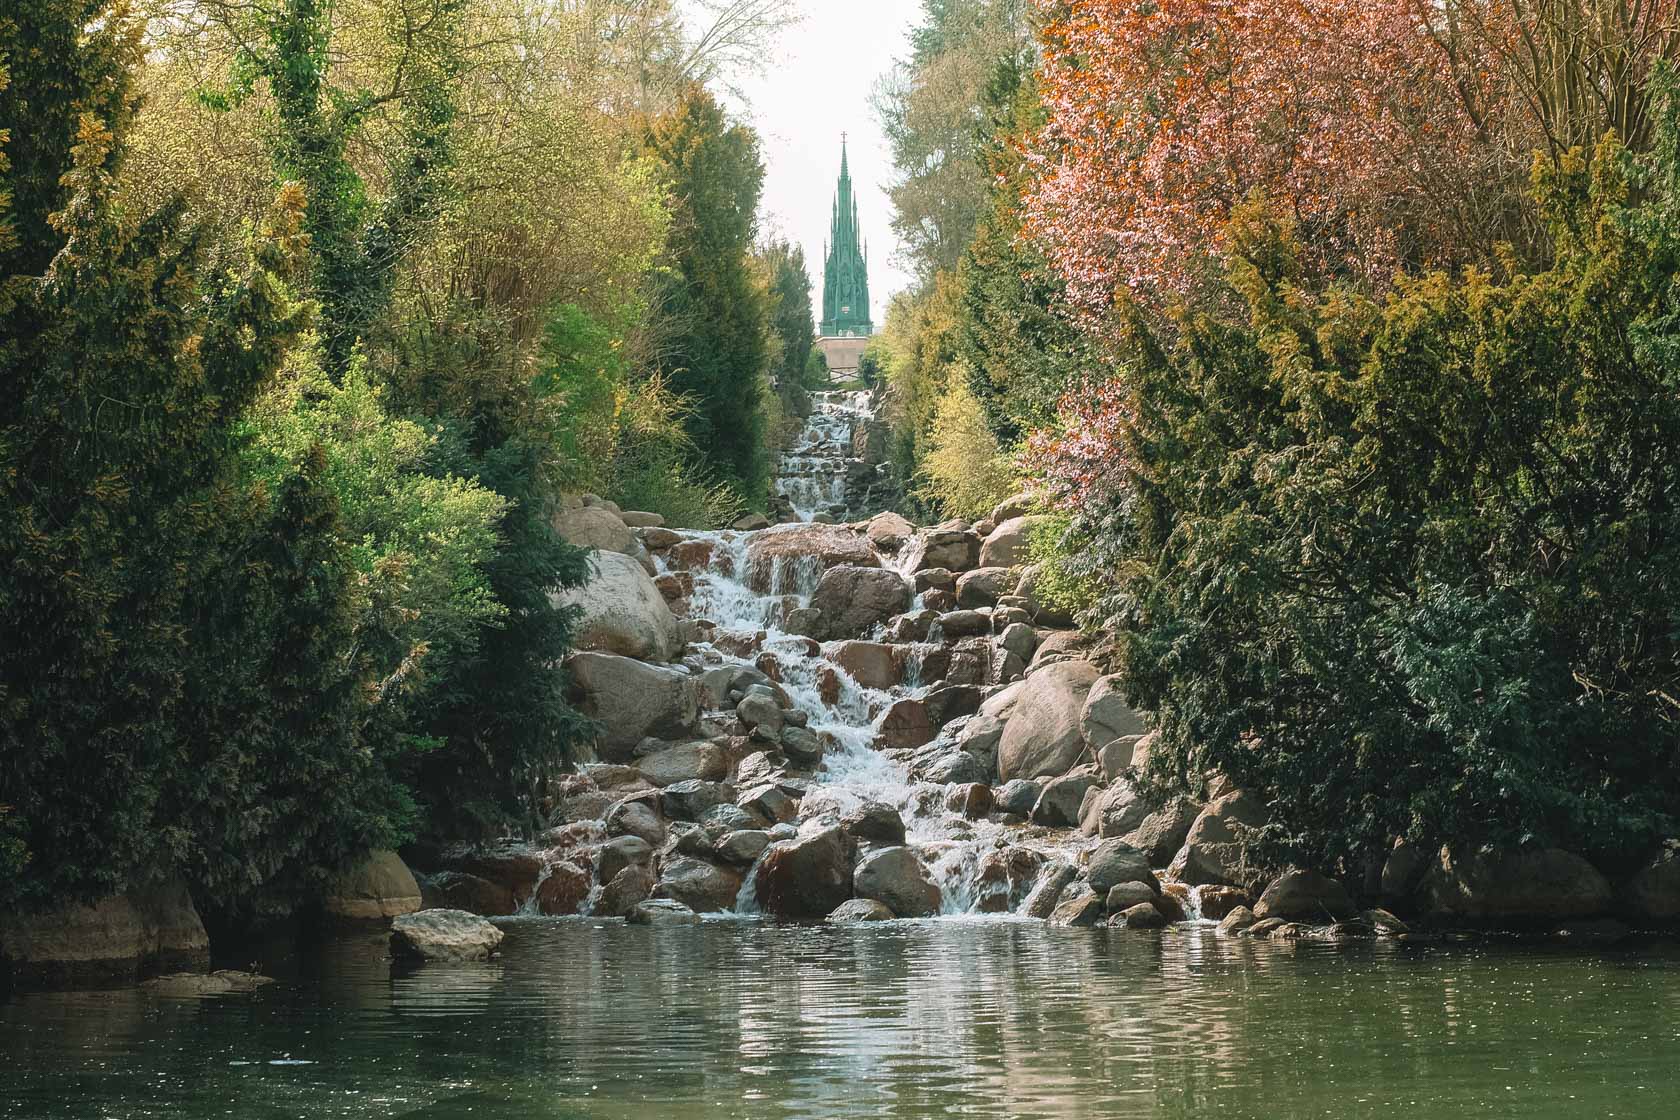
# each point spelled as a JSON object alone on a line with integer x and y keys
{"x": 860, "y": 910}
{"x": 1236, "y": 921}
{"x": 961, "y": 624}
{"x": 444, "y": 935}
{"x": 889, "y": 531}
{"x": 1018, "y": 797}
{"x": 688, "y": 801}
{"x": 802, "y": 746}
{"x": 761, "y": 712}
{"x": 1115, "y": 812}
{"x": 956, "y": 768}
{"x": 875, "y": 823}
{"x": 595, "y": 527}
{"x": 1059, "y": 804}
{"x": 1214, "y": 849}
{"x": 1162, "y": 833}
{"x": 1116, "y": 757}
{"x": 896, "y": 878}
{"x": 111, "y": 941}
{"x": 769, "y": 802}
{"x": 742, "y": 846}
{"x": 1304, "y": 896}
{"x": 376, "y": 888}
{"x": 983, "y": 586}
{"x": 636, "y": 818}
{"x": 1042, "y": 738}
{"x": 460, "y": 890}
{"x": 624, "y": 892}
{"x": 1019, "y": 639}
{"x": 1515, "y": 883}
{"x": 661, "y": 912}
{"x": 703, "y": 887}
{"x": 1080, "y": 911}
{"x": 621, "y": 852}
{"x": 1123, "y": 896}
{"x": 955, "y": 550}
{"x": 685, "y": 762}
{"x": 1653, "y": 893}
{"x": 1143, "y": 916}
{"x": 1010, "y": 544}
{"x": 855, "y": 600}
{"x": 631, "y": 700}
{"x": 980, "y": 737}
{"x": 1106, "y": 715}
{"x": 623, "y": 611}
{"x": 1114, "y": 862}
{"x": 1046, "y": 894}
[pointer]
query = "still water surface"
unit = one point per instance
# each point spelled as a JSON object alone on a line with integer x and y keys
{"x": 582, "y": 1019}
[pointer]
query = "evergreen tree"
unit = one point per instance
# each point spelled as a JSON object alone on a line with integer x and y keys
{"x": 790, "y": 310}
{"x": 720, "y": 349}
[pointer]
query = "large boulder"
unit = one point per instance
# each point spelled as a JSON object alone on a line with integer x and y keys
{"x": 779, "y": 558}
{"x": 703, "y": 887}
{"x": 1042, "y": 738}
{"x": 956, "y": 550}
{"x": 888, "y": 531}
{"x": 1214, "y": 850}
{"x": 806, "y": 877}
{"x": 1010, "y": 544}
{"x": 115, "y": 940}
{"x": 1527, "y": 883}
{"x": 1162, "y": 833}
{"x": 1061, "y": 799}
{"x": 1114, "y": 862}
{"x": 854, "y": 600}
{"x": 631, "y": 700}
{"x": 1115, "y": 812}
{"x": 871, "y": 664}
{"x": 595, "y": 527}
{"x": 374, "y": 889}
{"x": 983, "y": 587}
{"x": 1653, "y": 893}
{"x": 444, "y": 935}
{"x": 623, "y": 611}
{"x": 1304, "y": 896}
{"x": 906, "y": 724}
{"x": 564, "y": 889}
{"x": 874, "y": 822}
{"x": 1106, "y": 715}
{"x": 896, "y": 878}
{"x": 685, "y": 762}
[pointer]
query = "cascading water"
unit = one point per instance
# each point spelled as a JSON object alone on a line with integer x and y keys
{"x": 815, "y": 474}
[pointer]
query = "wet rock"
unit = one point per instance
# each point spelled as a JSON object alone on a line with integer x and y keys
{"x": 1213, "y": 850}
{"x": 636, "y": 818}
{"x": 1019, "y": 639}
{"x": 896, "y": 878}
{"x": 1059, "y": 803}
{"x": 952, "y": 702}
{"x": 685, "y": 762}
{"x": 621, "y": 852}
{"x": 595, "y": 527}
{"x": 1653, "y": 893}
{"x": 911, "y": 628}
{"x": 1018, "y": 797}
{"x": 860, "y": 910}
{"x": 1515, "y": 883}
{"x": 853, "y": 600}
{"x": 742, "y": 846}
{"x": 1143, "y": 916}
{"x": 1010, "y": 544}
{"x": 804, "y": 621}
{"x": 722, "y": 819}
{"x": 1123, "y": 896}
{"x": 1107, "y": 716}
{"x": 1081, "y": 911}
{"x": 1041, "y": 738}
{"x": 750, "y": 523}
{"x": 1216, "y": 902}
{"x": 631, "y": 700}
{"x": 816, "y": 546}
{"x": 624, "y": 892}
{"x": 984, "y": 586}
{"x": 675, "y": 587}
{"x": 961, "y": 624}
{"x": 658, "y": 539}
{"x": 1264, "y": 928}
{"x": 444, "y": 935}
{"x": 563, "y": 889}
{"x": 1114, "y": 862}
{"x": 1238, "y": 920}
{"x": 806, "y": 877}
{"x": 687, "y": 801}
{"x": 375, "y": 888}
{"x": 956, "y": 768}
{"x": 760, "y": 711}
{"x": 623, "y": 611}
{"x": 458, "y": 890}
{"x": 703, "y": 887}
{"x": 661, "y": 912}
{"x": 935, "y": 579}
{"x": 1047, "y": 892}
{"x": 802, "y": 746}
{"x": 973, "y": 800}
{"x": 888, "y": 531}
{"x": 871, "y": 664}
{"x": 938, "y": 600}
{"x": 1384, "y": 923}
{"x": 956, "y": 550}
{"x": 1162, "y": 833}
{"x": 875, "y": 823}
{"x": 196, "y": 985}
{"x": 770, "y": 802}
{"x": 1304, "y": 896}
{"x": 905, "y": 725}
{"x": 1004, "y": 879}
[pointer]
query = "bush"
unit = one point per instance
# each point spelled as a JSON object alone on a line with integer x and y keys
{"x": 1409, "y": 569}
{"x": 964, "y": 472}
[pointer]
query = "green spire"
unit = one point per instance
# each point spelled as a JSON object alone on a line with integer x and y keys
{"x": 845, "y": 268}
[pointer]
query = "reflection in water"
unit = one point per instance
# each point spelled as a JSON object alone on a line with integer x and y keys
{"x": 597, "y": 1020}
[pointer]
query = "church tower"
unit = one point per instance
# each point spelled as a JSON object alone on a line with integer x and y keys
{"x": 845, "y": 267}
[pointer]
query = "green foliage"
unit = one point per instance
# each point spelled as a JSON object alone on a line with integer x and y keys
{"x": 718, "y": 353}
{"x": 1409, "y": 569}
{"x": 791, "y": 326}
{"x": 184, "y": 701}
{"x": 964, "y": 472}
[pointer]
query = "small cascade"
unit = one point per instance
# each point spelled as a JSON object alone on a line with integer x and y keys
{"x": 818, "y": 475}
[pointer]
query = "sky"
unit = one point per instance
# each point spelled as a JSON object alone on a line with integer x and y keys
{"x": 816, "y": 87}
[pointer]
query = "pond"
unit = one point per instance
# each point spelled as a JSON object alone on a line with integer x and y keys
{"x": 593, "y": 1019}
